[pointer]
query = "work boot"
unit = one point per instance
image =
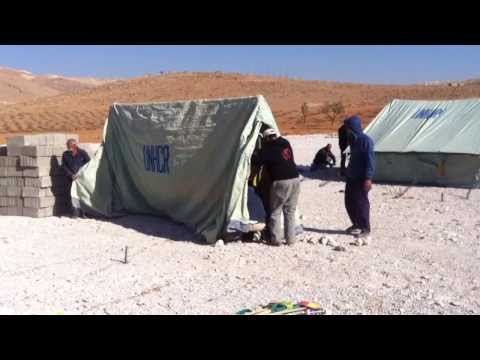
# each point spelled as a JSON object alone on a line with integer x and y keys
{"x": 275, "y": 243}
{"x": 356, "y": 232}
{"x": 351, "y": 229}
{"x": 291, "y": 242}
{"x": 363, "y": 234}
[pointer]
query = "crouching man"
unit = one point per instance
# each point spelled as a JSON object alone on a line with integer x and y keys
{"x": 323, "y": 159}
{"x": 72, "y": 161}
{"x": 277, "y": 157}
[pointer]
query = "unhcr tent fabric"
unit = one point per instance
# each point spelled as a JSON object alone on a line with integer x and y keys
{"x": 428, "y": 142}
{"x": 186, "y": 160}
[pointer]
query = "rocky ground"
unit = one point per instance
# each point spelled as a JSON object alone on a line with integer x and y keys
{"x": 423, "y": 258}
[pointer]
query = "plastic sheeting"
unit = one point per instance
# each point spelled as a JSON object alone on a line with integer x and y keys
{"x": 186, "y": 160}
{"x": 428, "y": 142}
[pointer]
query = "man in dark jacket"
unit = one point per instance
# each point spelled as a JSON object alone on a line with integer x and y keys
{"x": 359, "y": 174}
{"x": 343, "y": 134}
{"x": 277, "y": 157}
{"x": 324, "y": 158}
{"x": 72, "y": 160}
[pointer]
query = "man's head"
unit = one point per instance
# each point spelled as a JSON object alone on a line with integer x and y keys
{"x": 72, "y": 145}
{"x": 270, "y": 135}
{"x": 329, "y": 147}
{"x": 354, "y": 124}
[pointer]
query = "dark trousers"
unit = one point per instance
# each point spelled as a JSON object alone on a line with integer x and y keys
{"x": 357, "y": 204}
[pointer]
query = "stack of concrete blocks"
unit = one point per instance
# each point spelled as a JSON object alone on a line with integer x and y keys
{"x": 32, "y": 181}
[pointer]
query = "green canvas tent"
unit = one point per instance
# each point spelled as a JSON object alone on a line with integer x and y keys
{"x": 186, "y": 160}
{"x": 428, "y": 142}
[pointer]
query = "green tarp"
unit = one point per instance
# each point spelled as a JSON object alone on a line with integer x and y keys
{"x": 428, "y": 142}
{"x": 186, "y": 160}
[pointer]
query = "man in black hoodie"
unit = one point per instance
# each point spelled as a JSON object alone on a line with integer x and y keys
{"x": 277, "y": 157}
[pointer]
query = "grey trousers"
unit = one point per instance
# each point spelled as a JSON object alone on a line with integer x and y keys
{"x": 283, "y": 198}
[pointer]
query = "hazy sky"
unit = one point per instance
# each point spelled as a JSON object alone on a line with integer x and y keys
{"x": 359, "y": 63}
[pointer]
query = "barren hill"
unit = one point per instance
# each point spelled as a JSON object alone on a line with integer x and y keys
{"x": 21, "y": 85}
{"x": 84, "y": 111}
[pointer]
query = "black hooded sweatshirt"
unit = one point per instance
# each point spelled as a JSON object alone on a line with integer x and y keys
{"x": 277, "y": 157}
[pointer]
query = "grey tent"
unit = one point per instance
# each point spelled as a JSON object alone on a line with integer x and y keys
{"x": 428, "y": 142}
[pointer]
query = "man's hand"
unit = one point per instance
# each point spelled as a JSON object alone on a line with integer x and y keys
{"x": 367, "y": 185}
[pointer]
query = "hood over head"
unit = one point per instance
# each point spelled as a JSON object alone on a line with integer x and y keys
{"x": 354, "y": 123}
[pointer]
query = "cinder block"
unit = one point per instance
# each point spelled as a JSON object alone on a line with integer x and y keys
{"x": 37, "y": 213}
{"x": 11, "y": 211}
{"x": 22, "y": 140}
{"x": 41, "y": 182}
{"x": 10, "y": 172}
{"x": 43, "y": 192}
{"x": 14, "y": 150}
{"x": 43, "y": 150}
{"x": 42, "y": 171}
{"x": 53, "y": 139}
{"x": 44, "y": 161}
{"x": 10, "y": 190}
{"x": 12, "y": 181}
{"x": 11, "y": 161}
{"x": 14, "y": 191}
{"x": 39, "y": 202}
{"x": 29, "y": 191}
{"x": 14, "y": 172}
{"x": 46, "y": 181}
{"x": 58, "y": 209}
{"x": 11, "y": 201}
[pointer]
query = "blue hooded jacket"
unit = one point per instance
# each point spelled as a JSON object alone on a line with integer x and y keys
{"x": 362, "y": 159}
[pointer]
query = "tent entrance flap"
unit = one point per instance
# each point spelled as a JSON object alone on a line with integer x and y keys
{"x": 187, "y": 160}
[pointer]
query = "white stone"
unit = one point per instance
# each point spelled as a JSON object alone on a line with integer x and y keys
{"x": 332, "y": 243}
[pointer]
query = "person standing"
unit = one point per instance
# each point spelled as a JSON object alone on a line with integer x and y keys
{"x": 72, "y": 161}
{"x": 359, "y": 173}
{"x": 277, "y": 157}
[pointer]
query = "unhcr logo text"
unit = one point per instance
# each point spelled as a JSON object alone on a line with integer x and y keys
{"x": 427, "y": 113}
{"x": 156, "y": 158}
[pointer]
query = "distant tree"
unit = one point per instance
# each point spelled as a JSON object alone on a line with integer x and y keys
{"x": 304, "y": 111}
{"x": 333, "y": 111}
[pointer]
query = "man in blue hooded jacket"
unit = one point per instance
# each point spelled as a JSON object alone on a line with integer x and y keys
{"x": 359, "y": 175}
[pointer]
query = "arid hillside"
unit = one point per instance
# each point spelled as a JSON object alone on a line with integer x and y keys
{"x": 21, "y": 85}
{"x": 84, "y": 111}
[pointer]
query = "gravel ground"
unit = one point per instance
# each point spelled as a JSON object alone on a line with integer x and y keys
{"x": 423, "y": 258}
